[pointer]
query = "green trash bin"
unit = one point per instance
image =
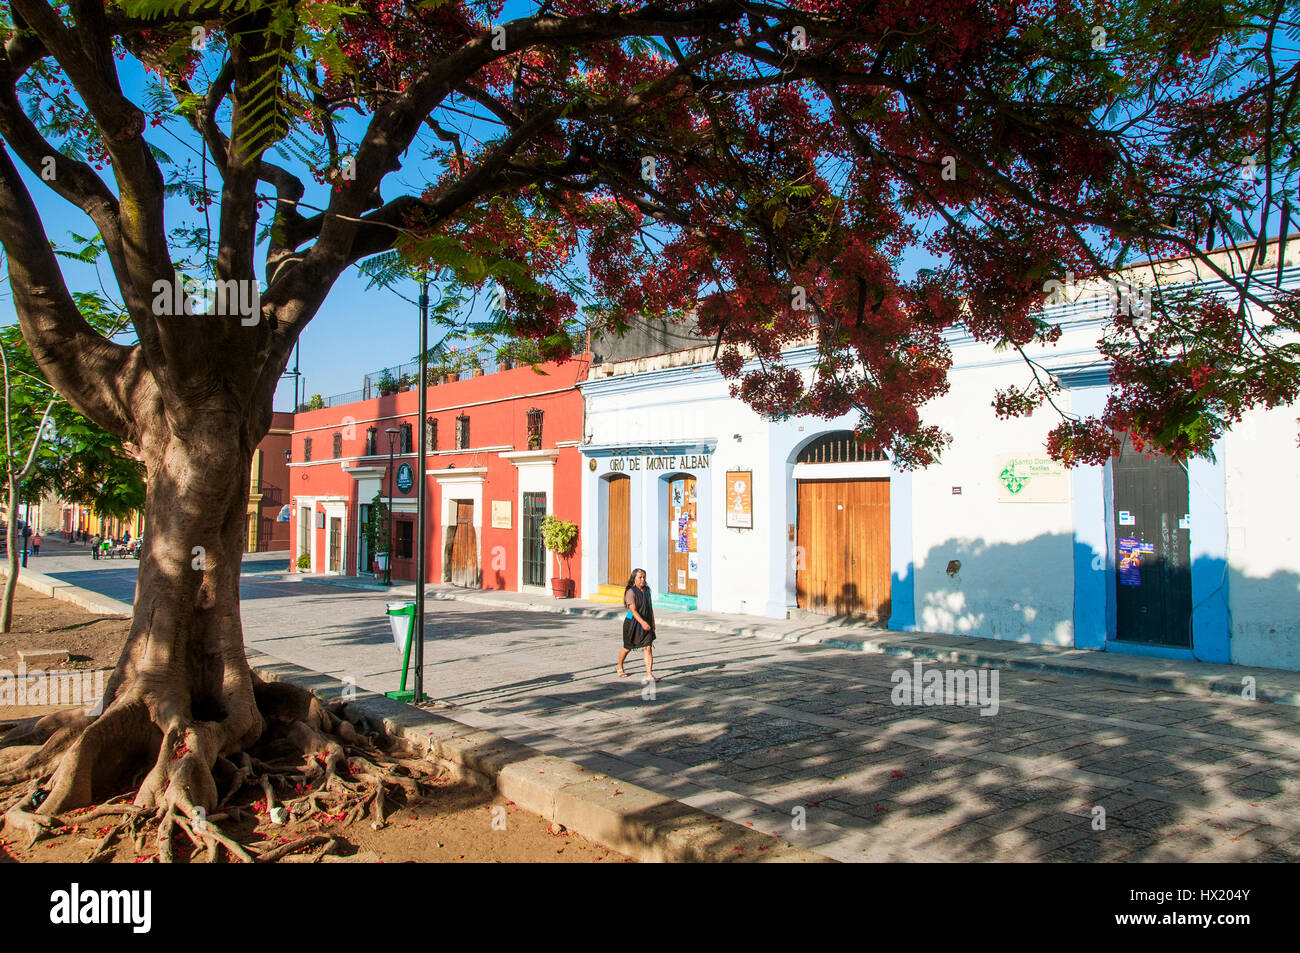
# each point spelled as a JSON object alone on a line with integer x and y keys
{"x": 401, "y": 616}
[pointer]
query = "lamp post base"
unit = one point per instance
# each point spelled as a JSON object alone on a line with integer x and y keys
{"x": 405, "y": 697}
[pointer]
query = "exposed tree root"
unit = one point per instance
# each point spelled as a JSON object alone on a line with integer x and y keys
{"x": 310, "y": 766}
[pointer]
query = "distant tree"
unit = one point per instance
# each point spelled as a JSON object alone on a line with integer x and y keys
{"x": 50, "y": 447}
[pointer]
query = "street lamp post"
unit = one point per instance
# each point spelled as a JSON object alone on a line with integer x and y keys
{"x": 388, "y": 563}
{"x": 422, "y": 423}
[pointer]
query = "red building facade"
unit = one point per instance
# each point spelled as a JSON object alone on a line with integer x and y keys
{"x": 502, "y": 454}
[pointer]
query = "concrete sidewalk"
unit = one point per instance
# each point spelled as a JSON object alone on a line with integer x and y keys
{"x": 1194, "y": 678}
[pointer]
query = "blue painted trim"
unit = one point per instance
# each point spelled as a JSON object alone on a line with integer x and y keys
{"x": 1207, "y": 505}
{"x": 783, "y": 511}
{"x": 657, "y": 561}
{"x": 675, "y": 447}
{"x": 1087, "y": 375}
{"x": 902, "y": 567}
{"x": 1150, "y": 651}
{"x": 1092, "y": 546}
{"x": 686, "y": 374}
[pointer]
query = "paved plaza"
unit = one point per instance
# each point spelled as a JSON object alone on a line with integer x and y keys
{"x": 807, "y": 741}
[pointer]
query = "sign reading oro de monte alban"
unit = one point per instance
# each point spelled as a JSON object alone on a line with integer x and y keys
{"x": 684, "y": 461}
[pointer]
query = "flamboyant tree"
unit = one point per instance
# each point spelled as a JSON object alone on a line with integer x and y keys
{"x": 761, "y": 166}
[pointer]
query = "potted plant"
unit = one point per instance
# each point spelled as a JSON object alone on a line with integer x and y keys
{"x": 559, "y": 536}
{"x": 304, "y": 562}
{"x": 387, "y": 384}
{"x": 377, "y": 533}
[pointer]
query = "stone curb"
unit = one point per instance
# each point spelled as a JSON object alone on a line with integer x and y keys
{"x": 1221, "y": 684}
{"x": 67, "y": 592}
{"x": 627, "y": 818}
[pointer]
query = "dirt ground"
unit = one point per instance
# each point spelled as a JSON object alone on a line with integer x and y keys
{"x": 44, "y": 623}
{"x": 456, "y": 824}
{"x": 452, "y": 822}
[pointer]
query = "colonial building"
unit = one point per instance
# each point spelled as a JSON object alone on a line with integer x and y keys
{"x": 729, "y": 512}
{"x": 268, "y": 520}
{"x": 502, "y": 455}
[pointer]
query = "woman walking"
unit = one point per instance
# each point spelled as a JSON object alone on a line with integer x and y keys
{"x": 639, "y": 624}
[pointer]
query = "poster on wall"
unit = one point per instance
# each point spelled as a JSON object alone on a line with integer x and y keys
{"x": 693, "y": 567}
{"x": 678, "y": 493}
{"x": 740, "y": 499}
{"x": 1130, "y": 562}
{"x": 500, "y": 514}
{"x": 681, "y": 579}
{"x": 1031, "y": 477}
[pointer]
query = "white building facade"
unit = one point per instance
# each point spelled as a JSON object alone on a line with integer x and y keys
{"x": 729, "y": 512}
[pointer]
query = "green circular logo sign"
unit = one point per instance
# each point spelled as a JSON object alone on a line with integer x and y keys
{"x": 405, "y": 478}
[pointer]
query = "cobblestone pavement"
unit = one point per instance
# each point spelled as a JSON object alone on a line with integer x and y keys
{"x": 786, "y": 736}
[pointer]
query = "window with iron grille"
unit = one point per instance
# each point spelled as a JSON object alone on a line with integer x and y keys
{"x": 841, "y": 446}
{"x": 534, "y": 429}
{"x": 370, "y": 441}
{"x": 338, "y": 445}
{"x": 306, "y": 449}
{"x": 431, "y": 434}
{"x": 462, "y": 432}
{"x": 406, "y": 439}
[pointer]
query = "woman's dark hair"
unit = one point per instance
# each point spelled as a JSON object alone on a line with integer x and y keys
{"x": 631, "y": 580}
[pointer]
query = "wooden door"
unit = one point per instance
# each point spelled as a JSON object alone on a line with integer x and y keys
{"x": 683, "y": 535}
{"x": 844, "y": 566}
{"x": 618, "y": 537}
{"x": 403, "y": 554}
{"x": 1153, "y": 582}
{"x": 464, "y": 547}
{"x": 336, "y": 544}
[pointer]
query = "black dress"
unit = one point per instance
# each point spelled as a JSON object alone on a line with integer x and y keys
{"x": 635, "y": 637}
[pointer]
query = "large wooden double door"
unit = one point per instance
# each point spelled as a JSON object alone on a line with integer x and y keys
{"x": 843, "y": 565}
{"x": 618, "y": 539}
{"x": 464, "y": 569}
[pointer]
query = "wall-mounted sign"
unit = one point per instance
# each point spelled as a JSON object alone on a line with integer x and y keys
{"x": 320, "y": 520}
{"x": 500, "y": 514}
{"x": 660, "y": 461}
{"x": 1031, "y": 478}
{"x": 740, "y": 499}
{"x": 405, "y": 478}
{"x": 1126, "y": 518}
{"x": 591, "y": 464}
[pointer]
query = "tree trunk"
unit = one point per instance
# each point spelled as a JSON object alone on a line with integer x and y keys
{"x": 11, "y": 580}
{"x": 182, "y": 692}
